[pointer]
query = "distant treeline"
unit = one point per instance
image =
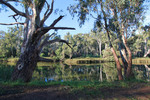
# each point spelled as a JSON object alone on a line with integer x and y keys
{"x": 91, "y": 44}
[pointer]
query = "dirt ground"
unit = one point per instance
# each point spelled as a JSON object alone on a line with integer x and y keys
{"x": 58, "y": 92}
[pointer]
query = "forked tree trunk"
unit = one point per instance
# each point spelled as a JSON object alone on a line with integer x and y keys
{"x": 26, "y": 64}
{"x": 119, "y": 69}
{"x": 129, "y": 68}
{"x": 124, "y": 62}
{"x": 129, "y": 73}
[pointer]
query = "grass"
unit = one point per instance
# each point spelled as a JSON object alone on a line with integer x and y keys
{"x": 5, "y": 72}
{"x": 80, "y": 61}
{"x": 9, "y": 59}
{"x": 81, "y": 89}
{"x": 16, "y": 59}
{"x": 141, "y": 61}
{"x": 38, "y": 64}
{"x": 12, "y": 59}
{"x": 77, "y": 84}
{"x": 89, "y": 90}
{"x": 97, "y": 84}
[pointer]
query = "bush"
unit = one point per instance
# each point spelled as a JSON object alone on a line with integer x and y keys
{"x": 5, "y": 72}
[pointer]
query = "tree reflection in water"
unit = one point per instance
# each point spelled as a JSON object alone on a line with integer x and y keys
{"x": 101, "y": 72}
{"x": 147, "y": 71}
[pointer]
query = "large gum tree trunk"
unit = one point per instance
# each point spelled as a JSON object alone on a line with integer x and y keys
{"x": 26, "y": 64}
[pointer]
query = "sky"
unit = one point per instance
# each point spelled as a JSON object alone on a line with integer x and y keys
{"x": 67, "y": 21}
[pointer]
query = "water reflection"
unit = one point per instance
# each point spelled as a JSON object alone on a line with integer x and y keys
{"x": 142, "y": 72}
{"x": 101, "y": 72}
{"x": 147, "y": 72}
{"x": 62, "y": 72}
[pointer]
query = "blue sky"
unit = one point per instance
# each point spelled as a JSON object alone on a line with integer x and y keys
{"x": 67, "y": 21}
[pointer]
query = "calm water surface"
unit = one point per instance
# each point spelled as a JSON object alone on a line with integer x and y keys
{"x": 61, "y": 72}
{"x": 98, "y": 72}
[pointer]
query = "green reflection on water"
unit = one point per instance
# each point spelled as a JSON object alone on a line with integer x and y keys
{"x": 101, "y": 72}
{"x": 62, "y": 72}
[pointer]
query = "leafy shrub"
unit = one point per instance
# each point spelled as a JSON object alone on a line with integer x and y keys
{"x": 5, "y": 72}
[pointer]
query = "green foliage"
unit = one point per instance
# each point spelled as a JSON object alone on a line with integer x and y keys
{"x": 122, "y": 17}
{"x": 111, "y": 71}
{"x": 11, "y": 42}
{"x": 42, "y": 55}
{"x": 84, "y": 45}
{"x": 129, "y": 14}
{"x": 5, "y": 72}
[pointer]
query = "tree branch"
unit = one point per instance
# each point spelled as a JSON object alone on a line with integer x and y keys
{"x": 11, "y": 23}
{"x": 26, "y": 27}
{"x": 47, "y": 38}
{"x": 58, "y": 40}
{"x": 12, "y": 0}
{"x": 45, "y": 41}
{"x": 52, "y": 41}
{"x": 52, "y": 25}
{"x": 44, "y": 30}
{"x": 62, "y": 28}
{"x": 46, "y": 15}
{"x": 13, "y": 8}
{"x": 56, "y": 21}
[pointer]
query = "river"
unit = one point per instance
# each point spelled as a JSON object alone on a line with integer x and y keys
{"x": 94, "y": 72}
{"x": 84, "y": 72}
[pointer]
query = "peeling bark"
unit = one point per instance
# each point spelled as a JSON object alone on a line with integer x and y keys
{"x": 26, "y": 64}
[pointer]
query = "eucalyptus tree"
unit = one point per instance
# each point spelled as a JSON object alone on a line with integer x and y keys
{"x": 90, "y": 45}
{"x": 97, "y": 37}
{"x": 2, "y": 37}
{"x": 34, "y": 38}
{"x": 137, "y": 45}
{"x": 79, "y": 44}
{"x": 10, "y": 42}
{"x": 71, "y": 51}
{"x": 119, "y": 17}
{"x": 100, "y": 38}
{"x": 83, "y": 44}
{"x": 126, "y": 17}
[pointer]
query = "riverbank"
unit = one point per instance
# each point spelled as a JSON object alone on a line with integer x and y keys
{"x": 78, "y": 90}
{"x": 72, "y": 90}
{"x": 81, "y": 61}
{"x": 44, "y": 59}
